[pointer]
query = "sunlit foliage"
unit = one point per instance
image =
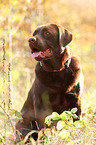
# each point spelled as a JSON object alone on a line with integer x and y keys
{"x": 18, "y": 19}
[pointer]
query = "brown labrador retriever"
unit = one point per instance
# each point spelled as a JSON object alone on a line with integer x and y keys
{"x": 59, "y": 81}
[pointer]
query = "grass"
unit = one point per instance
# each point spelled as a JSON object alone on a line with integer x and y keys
{"x": 66, "y": 132}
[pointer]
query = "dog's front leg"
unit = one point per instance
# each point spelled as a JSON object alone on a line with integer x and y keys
{"x": 28, "y": 118}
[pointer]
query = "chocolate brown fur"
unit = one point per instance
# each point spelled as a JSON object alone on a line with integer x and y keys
{"x": 58, "y": 83}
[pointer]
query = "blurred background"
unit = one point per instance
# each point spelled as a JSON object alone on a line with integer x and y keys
{"x": 18, "y": 20}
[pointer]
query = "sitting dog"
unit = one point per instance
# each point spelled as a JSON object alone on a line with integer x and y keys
{"x": 59, "y": 80}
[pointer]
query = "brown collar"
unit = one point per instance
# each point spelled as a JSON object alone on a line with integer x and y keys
{"x": 65, "y": 66}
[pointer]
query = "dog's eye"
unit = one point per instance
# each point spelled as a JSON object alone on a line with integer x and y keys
{"x": 46, "y": 33}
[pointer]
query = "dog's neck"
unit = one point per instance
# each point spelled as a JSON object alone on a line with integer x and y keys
{"x": 57, "y": 63}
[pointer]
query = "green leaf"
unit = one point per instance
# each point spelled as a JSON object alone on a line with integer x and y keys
{"x": 68, "y": 115}
{"x": 33, "y": 141}
{"x": 14, "y": 119}
{"x": 60, "y": 125}
{"x": 78, "y": 124}
{"x": 75, "y": 116}
{"x": 64, "y": 134}
{"x": 3, "y": 115}
{"x": 48, "y": 132}
{"x": 55, "y": 116}
{"x": 18, "y": 114}
{"x": 48, "y": 120}
{"x": 74, "y": 110}
{"x": 68, "y": 112}
{"x": 63, "y": 115}
{"x": 12, "y": 112}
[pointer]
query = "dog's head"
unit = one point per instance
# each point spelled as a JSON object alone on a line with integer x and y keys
{"x": 49, "y": 40}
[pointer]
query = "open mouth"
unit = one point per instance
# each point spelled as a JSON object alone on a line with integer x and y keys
{"x": 41, "y": 53}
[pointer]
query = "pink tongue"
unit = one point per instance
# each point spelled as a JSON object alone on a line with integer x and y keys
{"x": 36, "y": 54}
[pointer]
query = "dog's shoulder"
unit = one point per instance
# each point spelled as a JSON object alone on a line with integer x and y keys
{"x": 75, "y": 67}
{"x": 75, "y": 64}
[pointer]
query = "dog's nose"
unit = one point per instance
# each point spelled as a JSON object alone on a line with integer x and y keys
{"x": 32, "y": 39}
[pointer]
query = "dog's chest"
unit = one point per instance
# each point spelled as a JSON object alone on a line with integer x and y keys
{"x": 59, "y": 101}
{"x": 57, "y": 80}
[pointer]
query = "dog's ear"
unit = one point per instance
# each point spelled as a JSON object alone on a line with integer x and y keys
{"x": 65, "y": 37}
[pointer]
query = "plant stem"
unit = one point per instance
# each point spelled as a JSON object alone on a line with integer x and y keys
{"x": 8, "y": 117}
{"x": 10, "y": 90}
{"x": 3, "y": 95}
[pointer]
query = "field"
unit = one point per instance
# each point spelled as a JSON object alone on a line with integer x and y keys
{"x": 18, "y": 21}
